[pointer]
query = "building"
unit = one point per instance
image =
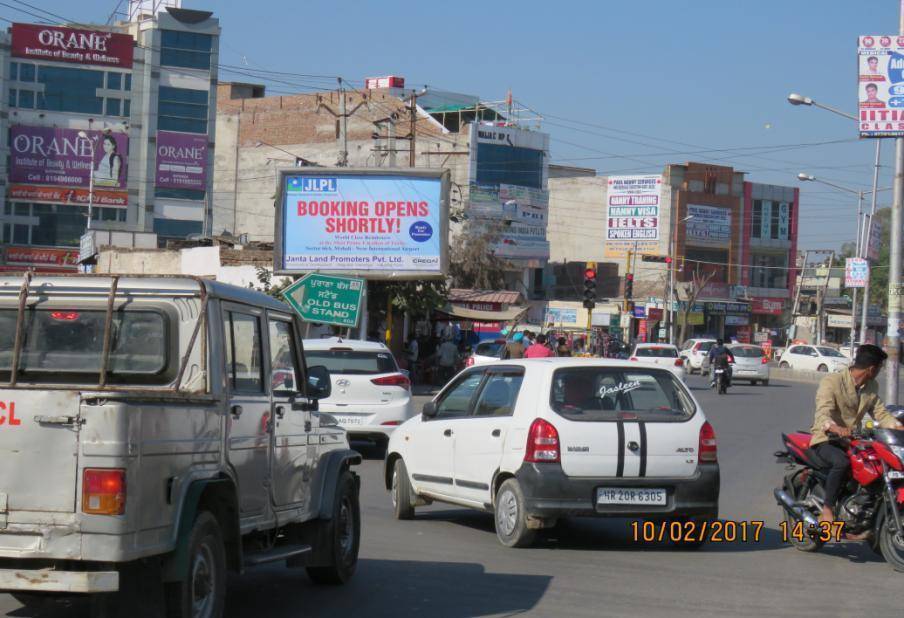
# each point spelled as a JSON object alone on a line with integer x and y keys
{"x": 116, "y": 118}
{"x": 499, "y": 167}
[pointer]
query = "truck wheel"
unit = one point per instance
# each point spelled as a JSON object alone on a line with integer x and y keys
{"x": 401, "y": 492}
{"x": 510, "y": 516}
{"x": 343, "y": 533}
{"x": 30, "y": 600}
{"x": 202, "y": 592}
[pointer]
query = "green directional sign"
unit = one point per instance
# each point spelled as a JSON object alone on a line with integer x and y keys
{"x": 326, "y": 299}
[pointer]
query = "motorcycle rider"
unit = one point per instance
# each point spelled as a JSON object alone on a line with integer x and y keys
{"x": 843, "y": 399}
{"x": 720, "y": 356}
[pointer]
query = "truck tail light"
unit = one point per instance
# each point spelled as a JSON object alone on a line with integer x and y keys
{"x": 104, "y": 491}
{"x": 542, "y": 443}
{"x": 396, "y": 379}
{"x": 707, "y": 450}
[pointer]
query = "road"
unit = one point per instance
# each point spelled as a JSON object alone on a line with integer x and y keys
{"x": 448, "y": 564}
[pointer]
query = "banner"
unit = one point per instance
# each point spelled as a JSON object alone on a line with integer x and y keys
{"x": 632, "y": 215}
{"x": 708, "y": 226}
{"x": 559, "y": 316}
{"x": 360, "y": 221}
{"x": 41, "y": 257}
{"x": 181, "y": 160}
{"x": 767, "y": 306}
{"x": 60, "y": 157}
{"x": 880, "y": 89}
{"x": 63, "y": 195}
{"x": 875, "y": 239}
{"x": 856, "y": 272}
{"x": 59, "y": 44}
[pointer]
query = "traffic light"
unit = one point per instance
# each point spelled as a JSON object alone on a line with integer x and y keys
{"x": 629, "y": 285}
{"x": 662, "y": 259}
{"x": 590, "y": 285}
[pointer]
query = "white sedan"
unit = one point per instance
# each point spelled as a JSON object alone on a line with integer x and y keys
{"x": 662, "y": 354}
{"x": 814, "y": 358}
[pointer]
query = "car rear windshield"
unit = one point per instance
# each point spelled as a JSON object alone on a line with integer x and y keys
{"x": 706, "y": 345}
{"x": 657, "y": 352}
{"x": 352, "y": 362}
{"x": 611, "y": 393}
{"x": 489, "y": 348}
{"x": 751, "y": 352}
{"x": 830, "y": 352}
{"x": 66, "y": 346}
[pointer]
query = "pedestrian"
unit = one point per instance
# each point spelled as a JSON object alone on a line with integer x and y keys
{"x": 447, "y": 360}
{"x": 411, "y": 354}
{"x": 538, "y": 349}
{"x": 528, "y": 338}
{"x": 562, "y": 349}
{"x": 515, "y": 348}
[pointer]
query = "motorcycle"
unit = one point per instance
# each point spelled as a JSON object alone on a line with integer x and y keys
{"x": 871, "y": 504}
{"x": 721, "y": 380}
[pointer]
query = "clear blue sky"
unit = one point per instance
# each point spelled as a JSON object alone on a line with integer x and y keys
{"x": 685, "y": 77}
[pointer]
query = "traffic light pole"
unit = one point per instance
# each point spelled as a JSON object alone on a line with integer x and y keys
{"x": 629, "y": 289}
{"x": 589, "y": 296}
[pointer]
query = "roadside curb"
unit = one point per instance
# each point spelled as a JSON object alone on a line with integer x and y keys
{"x": 792, "y": 375}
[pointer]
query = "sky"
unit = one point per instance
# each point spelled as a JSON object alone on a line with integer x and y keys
{"x": 624, "y": 87}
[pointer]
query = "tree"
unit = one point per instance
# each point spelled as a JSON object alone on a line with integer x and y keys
{"x": 692, "y": 290}
{"x": 265, "y": 281}
{"x": 878, "y": 276}
{"x": 474, "y": 263}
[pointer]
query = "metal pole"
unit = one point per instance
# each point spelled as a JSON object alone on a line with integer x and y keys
{"x": 343, "y": 127}
{"x": 91, "y": 187}
{"x": 892, "y": 338}
{"x": 867, "y": 233}
{"x": 673, "y": 249}
{"x": 856, "y": 254}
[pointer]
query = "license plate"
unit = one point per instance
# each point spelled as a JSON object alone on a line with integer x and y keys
{"x": 630, "y": 495}
{"x": 348, "y": 419}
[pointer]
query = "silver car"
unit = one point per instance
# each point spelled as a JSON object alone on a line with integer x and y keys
{"x": 750, "y": 364}
{"x": 157, "y": 432}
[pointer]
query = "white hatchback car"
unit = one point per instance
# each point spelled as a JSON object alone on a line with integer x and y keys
{"x": 663, "y": 354}
{"x": 486, "y": 352}
{"x": 370, "y": 395}
{"x": 695, "y": 353}
{"x": 814, "y": 358}
{"x": 536, "y": 440}
{"x": 749, "y": 363}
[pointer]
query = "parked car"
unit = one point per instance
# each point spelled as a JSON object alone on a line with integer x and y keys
{"x": 370, "y": 395}
{"x": 814, "y": 358}
{"x": 486, "y": 352}
{"x": 695, "y": 353}
{"x": 663, "y": 354}
{"x": 538, "y": 440}
{"x": 750, "y": 363}
{"x": 149, "y": 451}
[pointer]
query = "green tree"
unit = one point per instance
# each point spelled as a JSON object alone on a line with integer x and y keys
{"x": 878, "y": 278}
{"x": 474, "y": 263}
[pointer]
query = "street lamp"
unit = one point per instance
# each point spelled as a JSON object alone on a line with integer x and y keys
{"x": 84, "y": 136}
{"x": 673, "y": 250}
{"x": 799, "y": 99}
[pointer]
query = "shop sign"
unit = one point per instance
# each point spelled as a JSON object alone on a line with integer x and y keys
{"x": 40, "y": 256}
{"x": 767, "y": 306}
{"x": 74, "y": 45}
{"x": 63, "y": 195}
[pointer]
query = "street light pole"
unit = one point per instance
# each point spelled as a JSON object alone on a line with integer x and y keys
{"x": 673, "y": 254}
{"x": 893, "y": 337}
{"x": 84, "y": 135}
{"x": 867, "y": 236}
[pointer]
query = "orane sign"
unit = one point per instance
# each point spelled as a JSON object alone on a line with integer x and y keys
{"x": 60, "y": 44}
{"x": 326, "y": 299}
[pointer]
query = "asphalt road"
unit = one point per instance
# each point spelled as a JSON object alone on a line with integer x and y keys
{"x": 448, "y": 564}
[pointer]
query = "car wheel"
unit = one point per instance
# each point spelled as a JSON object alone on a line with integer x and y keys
{"x": 784, "y": 365}
{"x": 343, "y": 534}
{"x": 511, "y": 519}
{"x": 202, "y": 592}
{"x": 823, "y": 369}
{"x": 401, "y": 492}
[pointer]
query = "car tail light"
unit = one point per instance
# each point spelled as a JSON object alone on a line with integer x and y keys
{"x": 396, "y": 379}
{"x": 679, "y": 362}
{"x": 469, "y": 362}
{"x": 765, "y": 361}
{"x": 391, "y": 423}
{"x": 633, "y": 358}
{"x": 542, "y": 443}
{"x": 104, "y": 491}
{"x": 707, "y": 450}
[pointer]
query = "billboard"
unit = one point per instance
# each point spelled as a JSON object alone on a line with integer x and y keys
{"x": 856, "y": 272}
{"x": 67, "y": 195}
{"x": 632, "y": 214}
{"x": 708, "y": 226}
{"x": 41, "y": 256}
{"x": 875, "y": 239}
{"x": 181, "y": 161}
{"x": 59, "y": 44}
{"x": 370, "y": 223}
{"x": 514, "y": 216}
{"x": 60, "y": 157}
{"x": 880, "y": 87}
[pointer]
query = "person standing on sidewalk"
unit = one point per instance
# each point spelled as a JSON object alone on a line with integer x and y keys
{"x": 539, "y": 349}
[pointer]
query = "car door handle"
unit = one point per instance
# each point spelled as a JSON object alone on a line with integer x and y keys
{"x": 497, "y": 433}
{"x": 634, "y": 446}
{"x": 280, "y": 411}
{"x": 235, "y": 411}
{"x": 448, "y": 433}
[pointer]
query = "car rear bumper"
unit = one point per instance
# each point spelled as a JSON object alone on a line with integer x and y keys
{"x": 750, "y": 373}
{"x": 47, "y": 580}
{"x": 550, "y": 493}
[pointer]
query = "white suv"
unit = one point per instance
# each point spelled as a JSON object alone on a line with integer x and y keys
{"x": 695, "y": 353}
{"x": 370, "y": 395}
{"x": 536, "y": 440}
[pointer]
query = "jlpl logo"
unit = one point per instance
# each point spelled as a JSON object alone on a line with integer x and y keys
{"x": 312, "y": 184}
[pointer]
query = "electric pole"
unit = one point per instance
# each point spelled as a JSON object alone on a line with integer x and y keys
{"x": 412, "y": 113}
{"x": 893, "y": 338}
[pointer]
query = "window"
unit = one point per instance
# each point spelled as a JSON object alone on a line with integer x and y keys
{"x": 26, "y": 72}
{"x": 20, "y": 234}
{"x": 593, "y": 394}
{"x": 747, "y": 351}
{"x": 243, "y": 352}
{"x": 12, "y": 97}
{"x": 504, "y": 164}
{"x": 59, "y": 226}
{"x": 830, "y": 352}
{"x": 127, "y": 108}
{"x": 114, "y": 81}
{"x": 656, "y": 352}
{"x": 351, "y": 362}
{"x": 27, "y": 99}
{"x": 127, "y": 81}
{"x": 490, "y": 348}
{"x": 499, "y": 395}
{"x": 182, "y": 109}
{"x": 185, "y": 49}
{"x": 283, "y": 373}
{"x": 457, "y": 400}
{"x": 70, "y": 90}
{"x": 179, "y": 194}
{"x": 13, "y": 71}
{"x": 769, "y": 270}
{"x": 114, "y": 107}
{"x": 757, "y": 218}
{"x": 175, "y": 228}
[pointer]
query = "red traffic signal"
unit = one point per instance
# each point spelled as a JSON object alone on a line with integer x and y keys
{"x": 662, "y": 259}
{"x": 590, "y": 274}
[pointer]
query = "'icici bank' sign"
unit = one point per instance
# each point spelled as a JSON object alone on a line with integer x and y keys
{"x": 86, "y": 47}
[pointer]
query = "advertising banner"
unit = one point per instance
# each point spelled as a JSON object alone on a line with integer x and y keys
{"x": 632, "y": 214}
{"x": 880, "y": 88}
{"x": 41, "y": 257}
{"x": 381, "y": 225}
{"x": 766, "y": 220}
{"x": 784, "y": 220}
{"x": 60, "y": 157}
{"x": 856, "y": 272}
{"x": 59, "y": 44}
{"x": 559, "y": 316}
{"x": 181, "y": 160}
{"x": 709, "y": 226}
{"x": 875, "y": 239}
{"x": 767, "y": 306}
{"x": 64, "y": 195}
{"x": 839, "y": 321}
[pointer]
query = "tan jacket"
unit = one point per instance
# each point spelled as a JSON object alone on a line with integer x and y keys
{"x": 839, "y": 401}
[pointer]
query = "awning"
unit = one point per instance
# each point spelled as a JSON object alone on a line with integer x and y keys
{"x": 475, "y": 315}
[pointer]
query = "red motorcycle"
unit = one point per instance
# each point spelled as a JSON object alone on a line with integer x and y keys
{"x": 871, "y": 504}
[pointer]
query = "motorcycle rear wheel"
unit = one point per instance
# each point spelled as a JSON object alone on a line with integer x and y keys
{"x": 807, "y": 544}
